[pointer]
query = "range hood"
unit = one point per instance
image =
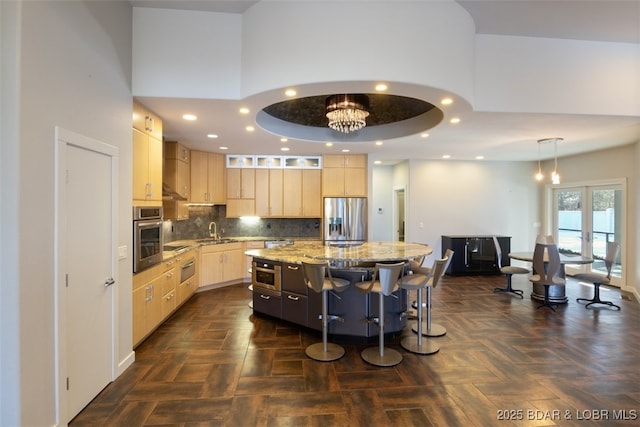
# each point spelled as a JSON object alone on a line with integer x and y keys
{"x": 169, "y": 194}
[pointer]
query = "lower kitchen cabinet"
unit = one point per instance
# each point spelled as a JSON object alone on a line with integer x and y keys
{"x": 294, "y": 294}
{"x": 158, "y": 292}
{"x": 269, "y": 303}
{"x": 221, "y": 263}
{"x": 152, "y": 300}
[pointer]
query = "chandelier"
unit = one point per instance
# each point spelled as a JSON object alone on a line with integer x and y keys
{"x": 347, "y": 112}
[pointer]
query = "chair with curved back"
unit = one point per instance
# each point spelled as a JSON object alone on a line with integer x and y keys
{"x": 317, "y": 276}
{"x": 613, "y": 248}
{"x": 508, "y": 270}
{"x": 430, "y": 329}
{"x": 546, "y": 267}
{"x": 384, "y": 281}
{"x": 419, "y": 281}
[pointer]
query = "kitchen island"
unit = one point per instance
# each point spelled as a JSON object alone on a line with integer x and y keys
{"x": 279, "y": 289}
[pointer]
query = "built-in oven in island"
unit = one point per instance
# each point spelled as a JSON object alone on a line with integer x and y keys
{"x": 266, "y": 275}
{"x": 147, "y": 237}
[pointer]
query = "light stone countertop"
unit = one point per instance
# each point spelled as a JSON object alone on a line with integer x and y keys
{"x": 368, "y": 252}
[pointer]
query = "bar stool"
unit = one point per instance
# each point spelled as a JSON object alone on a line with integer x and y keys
{"x": 430, "y": 329}
{"x": 419, "y": 281}
{"x": 317, "y": 276}
{"x": 384, "y": 281}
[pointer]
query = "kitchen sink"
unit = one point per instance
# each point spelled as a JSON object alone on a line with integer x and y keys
{"x": 212, "y": 241}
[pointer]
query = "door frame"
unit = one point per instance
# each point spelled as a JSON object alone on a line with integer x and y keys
{"x": 583, "y": 186}
{"x": 63, "y": 139}
{"x": 396, "y": 212}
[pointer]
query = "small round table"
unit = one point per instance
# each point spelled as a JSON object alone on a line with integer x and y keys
{"x": 556, "y": 293}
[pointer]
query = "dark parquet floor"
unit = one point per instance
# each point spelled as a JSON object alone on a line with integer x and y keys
{"x": 502, "y": 362}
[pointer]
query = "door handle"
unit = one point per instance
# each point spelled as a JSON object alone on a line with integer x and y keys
{"x": 109, "y": 282}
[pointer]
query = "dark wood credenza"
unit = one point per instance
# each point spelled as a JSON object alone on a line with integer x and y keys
{"x": 475, "y": 254}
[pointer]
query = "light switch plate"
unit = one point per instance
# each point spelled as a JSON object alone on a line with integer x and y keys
{"x": 122, "y": 252}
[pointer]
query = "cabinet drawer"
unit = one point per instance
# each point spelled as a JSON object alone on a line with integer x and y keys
{"x": 294, "y": 308}
{"x": 293, "y": 279}
{"x": 267, "y": 303}
{"x": 169, "y": 281}
{"x": 168, "y": 303}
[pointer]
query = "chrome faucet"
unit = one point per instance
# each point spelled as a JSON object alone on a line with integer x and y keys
{"x": 213, "y": 233}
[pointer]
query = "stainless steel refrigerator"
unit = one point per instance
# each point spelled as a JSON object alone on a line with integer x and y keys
{"x": 345, "y": 220}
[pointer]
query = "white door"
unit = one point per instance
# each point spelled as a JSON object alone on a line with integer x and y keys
{"x": 87, "y": 264}
{"x": 585, "y": 219}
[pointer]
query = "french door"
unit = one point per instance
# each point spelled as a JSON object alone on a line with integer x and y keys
{"x": 585, "y": 218}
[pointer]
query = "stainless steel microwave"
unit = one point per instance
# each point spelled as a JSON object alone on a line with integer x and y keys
{"x": 147, "y": 237}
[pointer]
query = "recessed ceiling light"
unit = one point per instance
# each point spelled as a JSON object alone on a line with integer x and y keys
{"x": 284, "y": 149}
{"x": 224, "y": 148}
{"x": 290, "y": 92}
{"x": 377, "y": 162}
{"x": 284, "y": 139}
{"x": 345, "y": 150}
{"x": 212, "y": 135}
{"x": 381, "y": 87}
{"x": 329, "y": 144}
{"x": 378, "y": 142}
{"x": 446, "y": 101}
{"x": 243, "y": 110}
{"x": 424, "y": 135}
{"x": 455, "y": 120}
{"x": 446, "y": 156}
{"x": 479, "y": 157}
{"x": 190, "y": 117}
{"x": 250, "y": 128}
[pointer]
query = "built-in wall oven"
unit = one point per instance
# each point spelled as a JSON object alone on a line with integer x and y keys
{"x": 147, "y": 237}
{"x": 266, "y": 275}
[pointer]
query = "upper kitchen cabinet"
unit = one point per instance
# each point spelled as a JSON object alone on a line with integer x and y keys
{"x": 176, "y": 174}
{"x": 147, "y": 157}
{"x": 344, "y": 175}
{"x": 207, "y": 178}
{"x": 146, "y": 121}
{"x": 303, "y": 197}
{"x": 176, "y": 178}
{"x": 269, "y": 192}
{"x": 240, "y": 192}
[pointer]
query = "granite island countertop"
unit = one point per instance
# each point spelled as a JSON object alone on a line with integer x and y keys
{"x": 368, "y": 252}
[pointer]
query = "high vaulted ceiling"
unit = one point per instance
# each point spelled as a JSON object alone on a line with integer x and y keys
{"x": 494, "y": 135}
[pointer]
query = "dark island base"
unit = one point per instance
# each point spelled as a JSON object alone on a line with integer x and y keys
{"x": 391, "y": 338}
{"x": 352, "y": 305}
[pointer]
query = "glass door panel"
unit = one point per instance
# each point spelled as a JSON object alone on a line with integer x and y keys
{"x": 606, "y": 208}
{"x": 569, "y": 220}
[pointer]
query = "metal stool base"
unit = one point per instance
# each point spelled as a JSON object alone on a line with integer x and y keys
{"x": 372, "y": 356}
{"x": 434, "y": 331}
{"x": 316, "y": 352}
{"x": 427, "y": 347}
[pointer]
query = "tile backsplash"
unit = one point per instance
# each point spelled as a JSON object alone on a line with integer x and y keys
{"x": 197, "y": 226}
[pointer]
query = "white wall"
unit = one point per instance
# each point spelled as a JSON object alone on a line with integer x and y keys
{"x": 450, "y": 197}
{"x": 75, "y": 72}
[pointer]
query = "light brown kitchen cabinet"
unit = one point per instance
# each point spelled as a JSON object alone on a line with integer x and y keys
{"x": 207, "y": 178}
{"x": 149, "y": 305}
{"x": 147, "y": 169}
{"x": 269, "y": 192}
{"x": 147, "y": 157}
{"x": 221, "y": 263}
{"x": 240, "y": 192}
{"x": 344, "y": 175}
{"x": 176, "y": 176}
{"x": 304, "y": 199}
{"x": 187, "y": 287}
{"x": 176, "y": 173}
{"x": 146, "y": 121}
